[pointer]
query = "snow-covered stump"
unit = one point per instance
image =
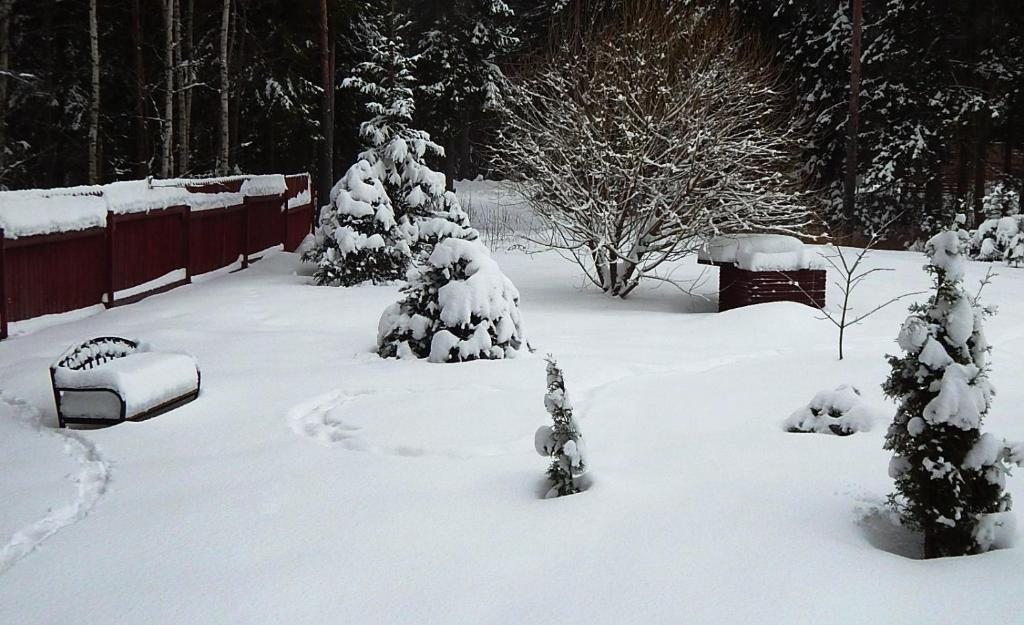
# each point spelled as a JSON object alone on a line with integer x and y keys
{"x": 755, "y": 269}
{"x": 459, "y": 306}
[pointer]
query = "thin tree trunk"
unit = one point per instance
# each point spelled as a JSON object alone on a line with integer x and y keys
{"x": 6, "y": 16}
{"x": 980, "y": 168}
{"x": 94, "y": 107}
{"x": 225, "y": 138}
{"x": 181, "y": 79}
{"x": 849, "y": 189}
{"x": 167, "y": 152}
{"x": 191, "y": 78}
{"x": 326, "y": 174}
{"x": 141, "y": 147}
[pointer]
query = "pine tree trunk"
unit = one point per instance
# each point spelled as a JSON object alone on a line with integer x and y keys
{"x": 191, "y": 78}
{"x": 167, "y": 134}
{"x": 326, "y": 174}
{"x": 94, "y": 107}
{"x": 6, "y": 16}
{"x": 850, "y": 184}
{"x": 141, "y": 142}
{"x": 223, "y": 159}
{"x": 980, "y": 168}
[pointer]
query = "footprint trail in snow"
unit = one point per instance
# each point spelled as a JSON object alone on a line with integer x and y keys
{"x": 92, "y": 480}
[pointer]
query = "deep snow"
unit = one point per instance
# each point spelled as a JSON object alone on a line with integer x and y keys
{"x": 313, "y": 482}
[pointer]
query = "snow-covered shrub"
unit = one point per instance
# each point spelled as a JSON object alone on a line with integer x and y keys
{"x": 458, "y": 306}
{"x": 562, "y": 441}
{"x": 949, "y": 477}
{"x": 1001, "y": 235}
{"x": 637, "y": 145}
{"x": 841, "y": 412}
{"x": 357, "y": 239}
{"x": 447, "y": 219}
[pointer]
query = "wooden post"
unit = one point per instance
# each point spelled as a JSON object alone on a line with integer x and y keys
{"x": 110, "y": 259}
{"x": 245, "y": 232}
{"x": 186, "y": 236}
{"x": 3, "y": 289}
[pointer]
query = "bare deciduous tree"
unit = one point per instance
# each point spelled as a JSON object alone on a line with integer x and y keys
{"x": 650, "y": 134}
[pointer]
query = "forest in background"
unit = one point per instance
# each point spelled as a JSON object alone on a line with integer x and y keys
{"x": 102, "y": 90}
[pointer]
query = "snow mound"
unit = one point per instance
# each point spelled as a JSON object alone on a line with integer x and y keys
{"x": 759, "y": 252}
{"x": 841, "y": 411}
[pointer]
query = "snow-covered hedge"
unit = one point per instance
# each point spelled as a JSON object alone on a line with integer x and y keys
{"x": 840, "y": 411}
{"x": 458, "y": 306}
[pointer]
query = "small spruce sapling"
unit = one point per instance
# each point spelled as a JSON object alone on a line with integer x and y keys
{"x": 950, "y": 477}
{"x": 563, "y": 441}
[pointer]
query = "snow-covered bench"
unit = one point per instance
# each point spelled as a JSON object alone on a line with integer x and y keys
{"x": 759, "y": 268}
{"x": 111, "y": 379}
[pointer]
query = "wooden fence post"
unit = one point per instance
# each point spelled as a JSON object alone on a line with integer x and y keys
{"x": 110, "y": 259}
{"x": 245, "y": 232}
{"x": 186, "y": 236}
{"x": 3, "y": 289}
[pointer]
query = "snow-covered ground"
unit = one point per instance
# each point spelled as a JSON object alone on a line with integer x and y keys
{"x": 313, "y": 482}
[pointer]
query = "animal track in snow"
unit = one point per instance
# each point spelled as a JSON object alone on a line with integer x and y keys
{"x": 92, "y": 479}
{"x": 376, "y": 423}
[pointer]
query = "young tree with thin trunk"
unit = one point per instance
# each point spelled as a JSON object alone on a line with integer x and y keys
{"x": 6, "y": 9}
{"x": 182, "y": 79}
{"x": 326, "y": 106}
{"x": 223, "y": 159}
{"x": 94, "y": 106}
{"x": 853, "y": 123}
{"x": 167, "y": 123}
{"x": 141, "y": 126}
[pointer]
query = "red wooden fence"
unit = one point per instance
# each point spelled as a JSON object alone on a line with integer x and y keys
{"x": 55, "y": 273}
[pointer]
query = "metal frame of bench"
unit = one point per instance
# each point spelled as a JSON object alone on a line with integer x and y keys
{"x": 129, "y": 347}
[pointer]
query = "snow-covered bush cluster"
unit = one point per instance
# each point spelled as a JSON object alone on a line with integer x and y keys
{"x": 949, "y": 477}
{"x": 458, "y": 306}
{"x": 841, "y": 411}
{"x": 1001, "y": 235}
{"x": 562, "y": 441}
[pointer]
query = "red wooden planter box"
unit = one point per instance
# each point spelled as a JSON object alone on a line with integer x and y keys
{"x": 739, "y": 287}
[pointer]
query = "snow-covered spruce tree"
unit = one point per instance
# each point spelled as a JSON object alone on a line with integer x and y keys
{"x": 393, "y": 145}
{"x": 949, "y": 477}
{"x": 562, "y": 441}
{"x": 458, "y": 306}
{"x": 358, "y": 239}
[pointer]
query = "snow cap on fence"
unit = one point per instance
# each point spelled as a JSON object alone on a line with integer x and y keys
{"x": 46, "y": 211}
{"x": 49, "y": 211}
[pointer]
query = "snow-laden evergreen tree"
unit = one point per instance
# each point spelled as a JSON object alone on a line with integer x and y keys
{"x": 358, "y": 239}
{"x": 949, "y": 477}
{"x": 397, "y": 149}
{"x": 457, "y": 306}
{"x": 562, "y": 441}
{"x": 463, "y": 85}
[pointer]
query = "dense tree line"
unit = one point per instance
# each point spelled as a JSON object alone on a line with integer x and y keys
{"x": 97, "y": 90}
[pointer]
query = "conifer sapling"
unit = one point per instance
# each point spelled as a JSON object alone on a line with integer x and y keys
{"x": 949, "y": 476}
{"x": 562, "y": 441}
